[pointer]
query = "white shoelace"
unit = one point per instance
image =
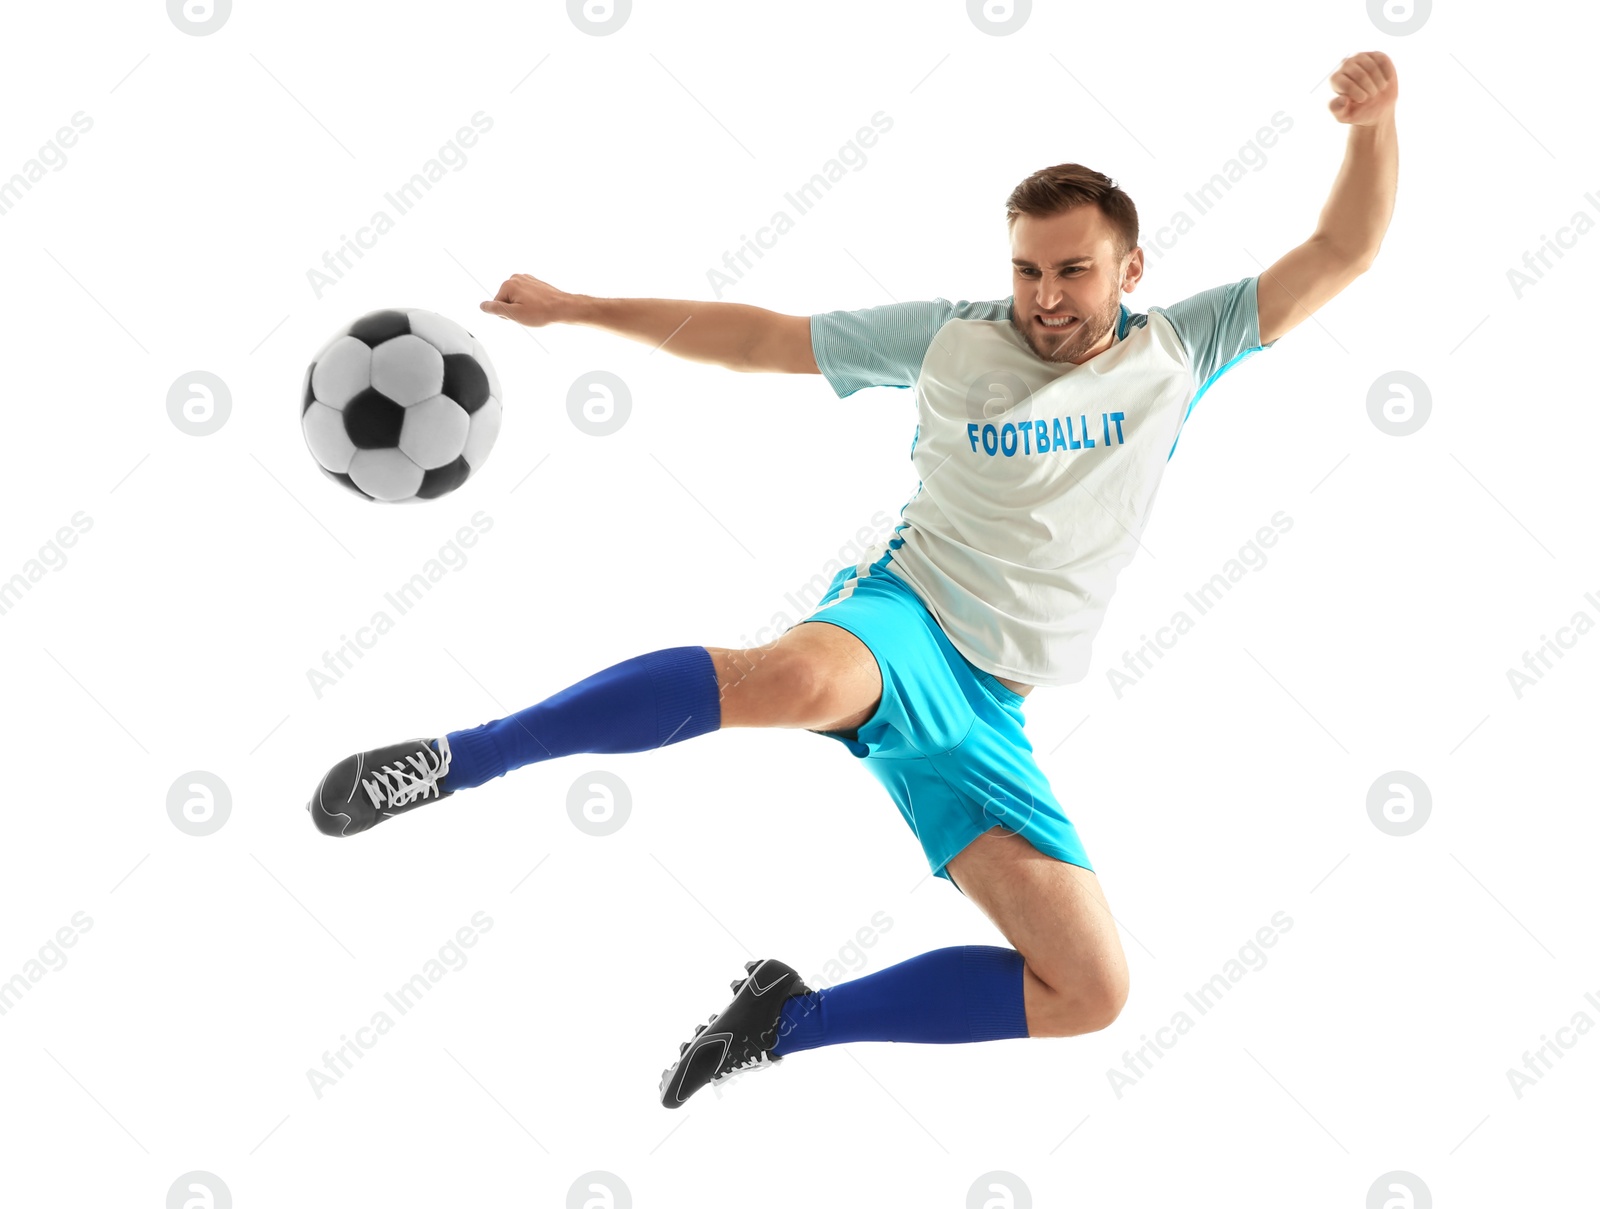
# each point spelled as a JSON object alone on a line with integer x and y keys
{"x": 408, "y": 779}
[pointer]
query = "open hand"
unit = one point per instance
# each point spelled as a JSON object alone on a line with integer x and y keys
{"x": 1366, "y": 87}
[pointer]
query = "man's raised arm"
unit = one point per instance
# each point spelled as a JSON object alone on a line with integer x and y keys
{"x": 1357, "y": 212}
{"x": 731, "y": 334}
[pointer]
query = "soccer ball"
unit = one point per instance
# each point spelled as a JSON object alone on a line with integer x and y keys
{"x": 401, "y": 405}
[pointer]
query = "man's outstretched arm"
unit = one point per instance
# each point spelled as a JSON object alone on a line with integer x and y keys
{"x": 1357, "y": 213}
{"x": 731, "y": 334}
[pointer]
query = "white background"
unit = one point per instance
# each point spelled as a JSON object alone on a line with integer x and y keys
{"x": 1229, "y": 784}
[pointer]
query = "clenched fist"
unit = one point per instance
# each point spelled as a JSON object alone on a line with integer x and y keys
{"x": 1366, "y": 88}
{"x": 530, "y": 302}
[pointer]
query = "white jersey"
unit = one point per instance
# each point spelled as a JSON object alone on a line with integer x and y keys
{"x": 1037, "y": 477}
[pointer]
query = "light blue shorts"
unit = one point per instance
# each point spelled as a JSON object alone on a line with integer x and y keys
{"x": 946, "y": 739}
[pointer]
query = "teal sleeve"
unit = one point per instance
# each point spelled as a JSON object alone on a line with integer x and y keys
{"x": 1217, "y": 327}
{"x": 878, "y": 346}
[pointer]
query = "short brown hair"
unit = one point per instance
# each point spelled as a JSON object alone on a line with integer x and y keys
{"x": 1067, "y": 186}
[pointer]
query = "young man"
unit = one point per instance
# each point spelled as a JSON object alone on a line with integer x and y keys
{"x": 1045, "y": 422}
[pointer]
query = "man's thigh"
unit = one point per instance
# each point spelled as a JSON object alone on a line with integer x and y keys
{"x": 1052, "y": 912}
{"x": 816, "y": 676}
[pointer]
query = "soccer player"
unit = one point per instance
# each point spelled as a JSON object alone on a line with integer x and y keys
{"x": 1045, "y": 422}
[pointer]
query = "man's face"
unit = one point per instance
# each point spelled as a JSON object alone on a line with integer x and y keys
{"x": 1065, "y": 266}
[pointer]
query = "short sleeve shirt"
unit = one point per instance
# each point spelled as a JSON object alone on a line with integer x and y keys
{"x": 1036, "y": 477}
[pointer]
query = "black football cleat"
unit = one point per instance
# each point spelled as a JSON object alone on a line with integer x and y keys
{"x": 738, "y": 1038}
{"x": 362, "y": 790}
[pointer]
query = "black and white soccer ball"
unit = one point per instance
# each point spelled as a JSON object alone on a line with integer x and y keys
{"x": 401, "y": 405}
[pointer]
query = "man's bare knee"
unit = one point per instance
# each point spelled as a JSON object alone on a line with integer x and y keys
{"x": 786, "y": 683}
{"x": 1102, "y": 1000}
{"x": 1088, "y": 1000}
{"x": 848, "y": 685}
{"x": 758, "y": 686}
{"x": 816, "y": 677}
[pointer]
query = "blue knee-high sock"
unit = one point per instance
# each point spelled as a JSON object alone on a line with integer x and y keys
{"x": 947, "y": 996}
{"x": 648, "y": 701}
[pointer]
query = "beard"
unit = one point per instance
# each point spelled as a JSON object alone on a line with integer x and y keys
{"x": 1050, "y": 347}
